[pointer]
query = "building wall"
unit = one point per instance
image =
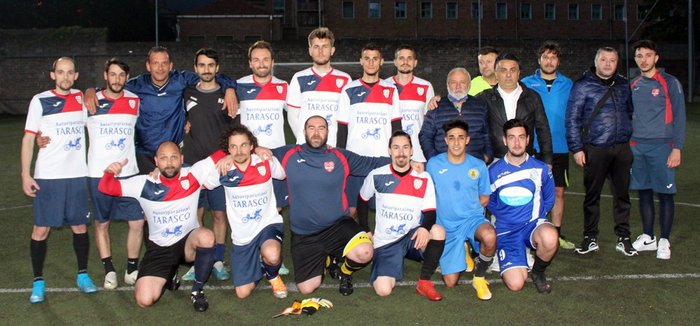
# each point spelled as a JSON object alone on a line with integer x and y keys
{"x": 235, "y": 29}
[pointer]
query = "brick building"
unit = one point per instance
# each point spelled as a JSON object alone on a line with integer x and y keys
{"x": 414, "y": 19}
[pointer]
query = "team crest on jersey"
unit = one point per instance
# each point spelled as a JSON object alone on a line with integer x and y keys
{"x": 79, "y": 99}
{"x": 262, "y": 170}
{"x": 473, "y": 174}
{"x": 417, "y": 183}
{"x": 420, "y": 91}
{"x": 329, "y": 166}
{"x": 280, "y": 89}
{"x": 386, "y": 92}
{"x": 339, "y": 82}
{"x": 655, "y": 92}
{"x": 185, "y": 184}
{"x": 132, "y": 104}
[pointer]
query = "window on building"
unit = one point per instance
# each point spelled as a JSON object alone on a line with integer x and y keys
{"x": 619, "y": 12}
{"x": 196, "y": 38}
{"x": 501, "y": 10}
{"x": 250, "y": 38}
{"x": 278, "y": 9}
{"x": 476, "y": 11}
{"x": 451, "y": 9}
{"x": 550, "y": 11}
{"x": 642, "y": 12}
{"x": 228, "y": 38}
{"x": 426, "y": 10}
{"x": 573, "y": 11}
{"x": 348, "y": 9}
{"x": 400, "y": 9}
{"x": 375, "y": 9}
{"x": 525, "y": 10}
{"x": 596, "y": 11}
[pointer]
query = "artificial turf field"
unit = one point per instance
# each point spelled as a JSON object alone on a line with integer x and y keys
{"x": 600, "y": 288}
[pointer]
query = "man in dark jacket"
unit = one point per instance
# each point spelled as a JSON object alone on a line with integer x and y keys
{"x": 457, "y": 106}
{"x": 599, "y": 140}
{"x": 509, "y": 100}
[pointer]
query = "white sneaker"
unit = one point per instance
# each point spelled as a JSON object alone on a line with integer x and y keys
{"x": 664, "y": 251}
{"x": 494, "y": 266}
{"x": 530, "y": 256}
{"x": 130, "y": 278}
{"x": 110, "y": 281}
{"x": 644, "y": 242}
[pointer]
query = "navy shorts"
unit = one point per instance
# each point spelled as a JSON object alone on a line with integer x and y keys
{"x": 214, "y": 199}
{"x": 246, "y": 263}
{"x": 281, "y": 193}
{"x": 61, "y": 202}
{"x": 649, "y": 170}
{"x": 106, "y": 208}
{"x": 162, "y": 261}
{"x": 512, "y": 245}
{"x": 388, "y": 259}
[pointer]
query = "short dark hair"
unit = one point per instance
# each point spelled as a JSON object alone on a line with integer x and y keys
{"x": 449, "y": 125}
{"x": 371, "y": 46}
{"x": 400, "y": 133}
{"x": 515, "y": 123}
{"x": 306, "y": 123}
{"x": 647, "y": 44}
{"x": 261, "y": 45}
{"x": 53, "y": 65}
{"x": 207, "y": 52}
{"x": 507, "y": 56}
{"x": 488, "y": 49}
{"x": 233, "y": 130}
{"x": 405, "y": 47}
{"x": 549, "y": 46}
{"x": 119, "y": 63}
{"x": 158, "y": 49}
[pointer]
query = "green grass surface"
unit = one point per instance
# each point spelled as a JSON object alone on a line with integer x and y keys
{"x": 601, "y": 288}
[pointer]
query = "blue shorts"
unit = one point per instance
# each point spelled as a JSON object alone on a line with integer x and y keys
{"x": 512, "y": 243}
{"x": 649, "y": 170}
{"x": 453, "y": 259}
{"x": 214, "y": 199}
{"x": 61, "y": 202}
{"x": 281, "y": 193}
{"x": 388, "y": 259}
{"x": 106, "y": 208}
{"x": 246, "y": 263}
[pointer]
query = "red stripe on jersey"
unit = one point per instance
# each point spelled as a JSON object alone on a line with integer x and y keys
{"x": 380, "y": 94}
{"x": 414, "y": 92}
{"x": 124, "y": 105}
{"x": 669, "y": 109}
{"x": 253, "y": 176}
{"x": 331, "y": 83}
{"x": 180, "y": 187}
{"x": 31, "y": 131}
{"x": 272, "y": 91}
{"x": 218, "y": 155}
{"x": 110, "y": 185}
{"x": 289, "y": 154}
{"x": 407, "y": 186}
{"x": 346, "y": 173}
{"x": 73, "y": 101}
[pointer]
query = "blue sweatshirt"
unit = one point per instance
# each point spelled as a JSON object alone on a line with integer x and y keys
{"x": 659, "y": 110}
{"x": 554, "y": 101}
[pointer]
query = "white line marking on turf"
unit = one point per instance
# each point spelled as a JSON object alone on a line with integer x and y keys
{"x": 634, "y": 198}
{"x": 291, "y": 287}
{"x": 15, "y": 207}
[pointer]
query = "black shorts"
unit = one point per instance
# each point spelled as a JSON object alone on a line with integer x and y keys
{"x": 163, "y": 261}
{"x": 560, "y": 169}
{"x": 145, "y": 162}
{"x": 309, "y": 251}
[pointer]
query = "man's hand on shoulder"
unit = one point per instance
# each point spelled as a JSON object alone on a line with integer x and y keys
{"x": 230, "y": 102}
{"x": 433, "y": 102}
{"x": 90, "y": 100}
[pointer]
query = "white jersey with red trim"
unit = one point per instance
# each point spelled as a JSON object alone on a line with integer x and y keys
{"x": 261, "y": 109}
{"x": 314, "y": 94}
{"x": 368, "y": 113}
{"x": 62, "y": 118}
{"x": 111, "y": 131}
{"x": 413, "y": 99}
{"x": 170, "y": 205}
{"x": 400, "y": 202}
{"x": 250, "y": 198}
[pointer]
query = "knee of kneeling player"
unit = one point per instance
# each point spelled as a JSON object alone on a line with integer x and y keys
{"x": 382, "y": 290}
{"x": 144, "y": 300}
{"x": 243, "y": 292}
{"x": 362, "y": 253}
{"x": 514, "y": 285}
{"x": 437, "y": 232}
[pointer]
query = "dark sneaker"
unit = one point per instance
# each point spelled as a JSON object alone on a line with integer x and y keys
{"x": 624, "y": 246}
{"x": 541, "y": 283}
{"x": 345, "y": 285}
{"x": 199, "y": 301}
{"x": 589, "y": 244}
{"x": 173, "y": 284}
{"x": 332, "y": 268}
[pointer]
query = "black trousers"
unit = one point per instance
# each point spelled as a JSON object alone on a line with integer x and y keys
{"x": 613, "y": 163}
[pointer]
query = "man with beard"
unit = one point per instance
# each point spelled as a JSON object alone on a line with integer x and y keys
{"x": 256, "y": 226}
{"x": 554, "y": 88}
{"x": 175, "y": 237}
{"x": 462, "y": 189}
{"x": 658, "y": 136}
{"x": 458, "y": 105}
{"x": 414, "y": 93}
{"x": 405, "y": 220}
{"x": 59, "y": 182}
{"x": 598, "y": 130}
{"x": 487, "y": 79}
{"x": 522, "y": 195}
{"x": 316, "y": 90}
{"x": 318, "y": 208}
{"x": 368, "y": 113}
{"x": 205, "y": 123}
